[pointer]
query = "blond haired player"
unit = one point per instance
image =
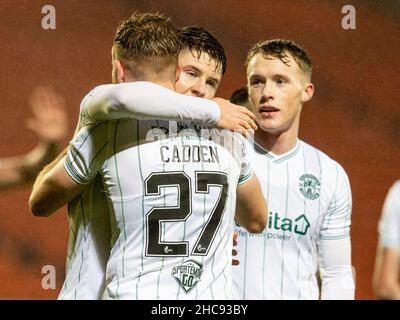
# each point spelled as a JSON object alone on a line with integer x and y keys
{"x": 132, "y": 284}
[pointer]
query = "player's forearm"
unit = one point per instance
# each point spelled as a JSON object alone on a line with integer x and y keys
{"x": 50, "y": 192}
{"x": 336, "y": 270}
{"x": 41, "y": 203}
{"x": 337, "y": 283}
{"x": 148, "y": 101}
{"x": 39, "y": 189}
{"x": 48, "y": 167}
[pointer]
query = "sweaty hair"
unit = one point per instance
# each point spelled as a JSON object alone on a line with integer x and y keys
{"x": 240, "y": 96}
{"x": 200, "y": 40}
{"x": 279, "y": 48}
{"x": 146, "y": 36}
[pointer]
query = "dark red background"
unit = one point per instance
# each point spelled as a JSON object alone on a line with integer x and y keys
{"x": 354, "y": 116}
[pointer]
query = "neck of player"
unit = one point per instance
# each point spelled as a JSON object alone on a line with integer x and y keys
{"x": 165, "y": 77}
{"x": 277, "y": 142}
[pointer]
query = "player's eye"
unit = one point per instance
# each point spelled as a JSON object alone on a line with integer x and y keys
{"x": 211, "y": 83}
{"x": 256, "y": 82}
{"x": 191, "y": 73}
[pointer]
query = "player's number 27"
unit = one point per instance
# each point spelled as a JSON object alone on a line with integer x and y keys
{"x": 179, "y": 213}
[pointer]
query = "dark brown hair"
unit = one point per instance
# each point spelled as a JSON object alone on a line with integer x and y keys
{"x": 199, "y": 40}
{"x": 240, "y": 96}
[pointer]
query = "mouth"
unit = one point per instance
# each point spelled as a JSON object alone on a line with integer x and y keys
{"x": 268, "y": 110}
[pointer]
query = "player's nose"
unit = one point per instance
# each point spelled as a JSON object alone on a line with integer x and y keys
{"x": 199, "y": 90}
{"x": 267, "y": 92}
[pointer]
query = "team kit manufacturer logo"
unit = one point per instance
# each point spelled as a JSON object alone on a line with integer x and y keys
{"x": 188, "y": 274}
{"x": 310, "y": 186}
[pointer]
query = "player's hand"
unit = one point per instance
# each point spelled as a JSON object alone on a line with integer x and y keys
{"x": 236, "y": 118}
{"x": 49, "y": 120}
{"x": 235, "y": 262}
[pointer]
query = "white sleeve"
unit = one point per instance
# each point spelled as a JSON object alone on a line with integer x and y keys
{"x": 87, "y": 152}
{"x": 389, "y": 224}
{"x": 337, "y": 221}
{"x": 336, "y": 271}
{"x": 246, "y": 168}
{"x": 146, "y": 101}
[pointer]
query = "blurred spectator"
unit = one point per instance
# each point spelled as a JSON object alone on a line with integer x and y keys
{"x": 49, "y": 123}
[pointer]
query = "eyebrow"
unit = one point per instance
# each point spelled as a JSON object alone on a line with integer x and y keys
{"x": 257, "y": 75}
{"x": 198, "y": 70}
{"x": 279, "y": 76}
{"x": 192, "y": 66}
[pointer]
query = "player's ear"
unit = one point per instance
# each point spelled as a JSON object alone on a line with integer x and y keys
{"x": 308, "y": 92}
{"x": 178, "y": 71}
{"x": 119, "y": 70}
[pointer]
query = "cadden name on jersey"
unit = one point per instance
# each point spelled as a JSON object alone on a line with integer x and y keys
{"x": 189, "y": 153}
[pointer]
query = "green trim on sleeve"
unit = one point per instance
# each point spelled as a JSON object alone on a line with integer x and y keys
{"x": 245, "y": 178}
{"x": 78, "y": 178}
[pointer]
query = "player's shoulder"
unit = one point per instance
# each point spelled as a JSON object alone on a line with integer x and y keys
{"x": 396, "y": 185}
{"x": 95, "y": 132}
{"x": 395, "y": 189}
{"x": 326, "y": 162}
{"x": 96, "y": 90}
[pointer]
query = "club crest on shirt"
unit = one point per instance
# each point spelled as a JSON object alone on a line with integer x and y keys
{"x": 310, "y": 186}
{"x": 188, "y": 274}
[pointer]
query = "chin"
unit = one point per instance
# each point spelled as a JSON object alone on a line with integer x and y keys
{"x": 267, "y": 126}
{"x": 269, "y": 130}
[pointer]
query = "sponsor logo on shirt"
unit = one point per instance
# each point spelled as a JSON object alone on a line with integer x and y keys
{"x": 188, "y": 274}
{"x": 298, "y": 225}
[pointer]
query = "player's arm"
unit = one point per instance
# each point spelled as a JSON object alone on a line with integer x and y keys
{"x": 336, "y": 270}
{"x": 37, "y": 191}
{"x": 67, "y": 177}
{"x": 148, "y": 101}
{"x": 251, "y": 207}
{"x": 386, "y": 281}
{"x": 49, "y": 124}
{"x": 53, "y": 189}
{"x": 334, "y": 244}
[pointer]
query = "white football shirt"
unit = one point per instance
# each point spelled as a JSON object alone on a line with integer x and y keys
{"x": 173, "y": 200}
{"x": 309, "y": 199}
{"x": 89, "y": 242}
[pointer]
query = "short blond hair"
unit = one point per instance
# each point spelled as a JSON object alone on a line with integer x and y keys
{"x": 146, "y": 36}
